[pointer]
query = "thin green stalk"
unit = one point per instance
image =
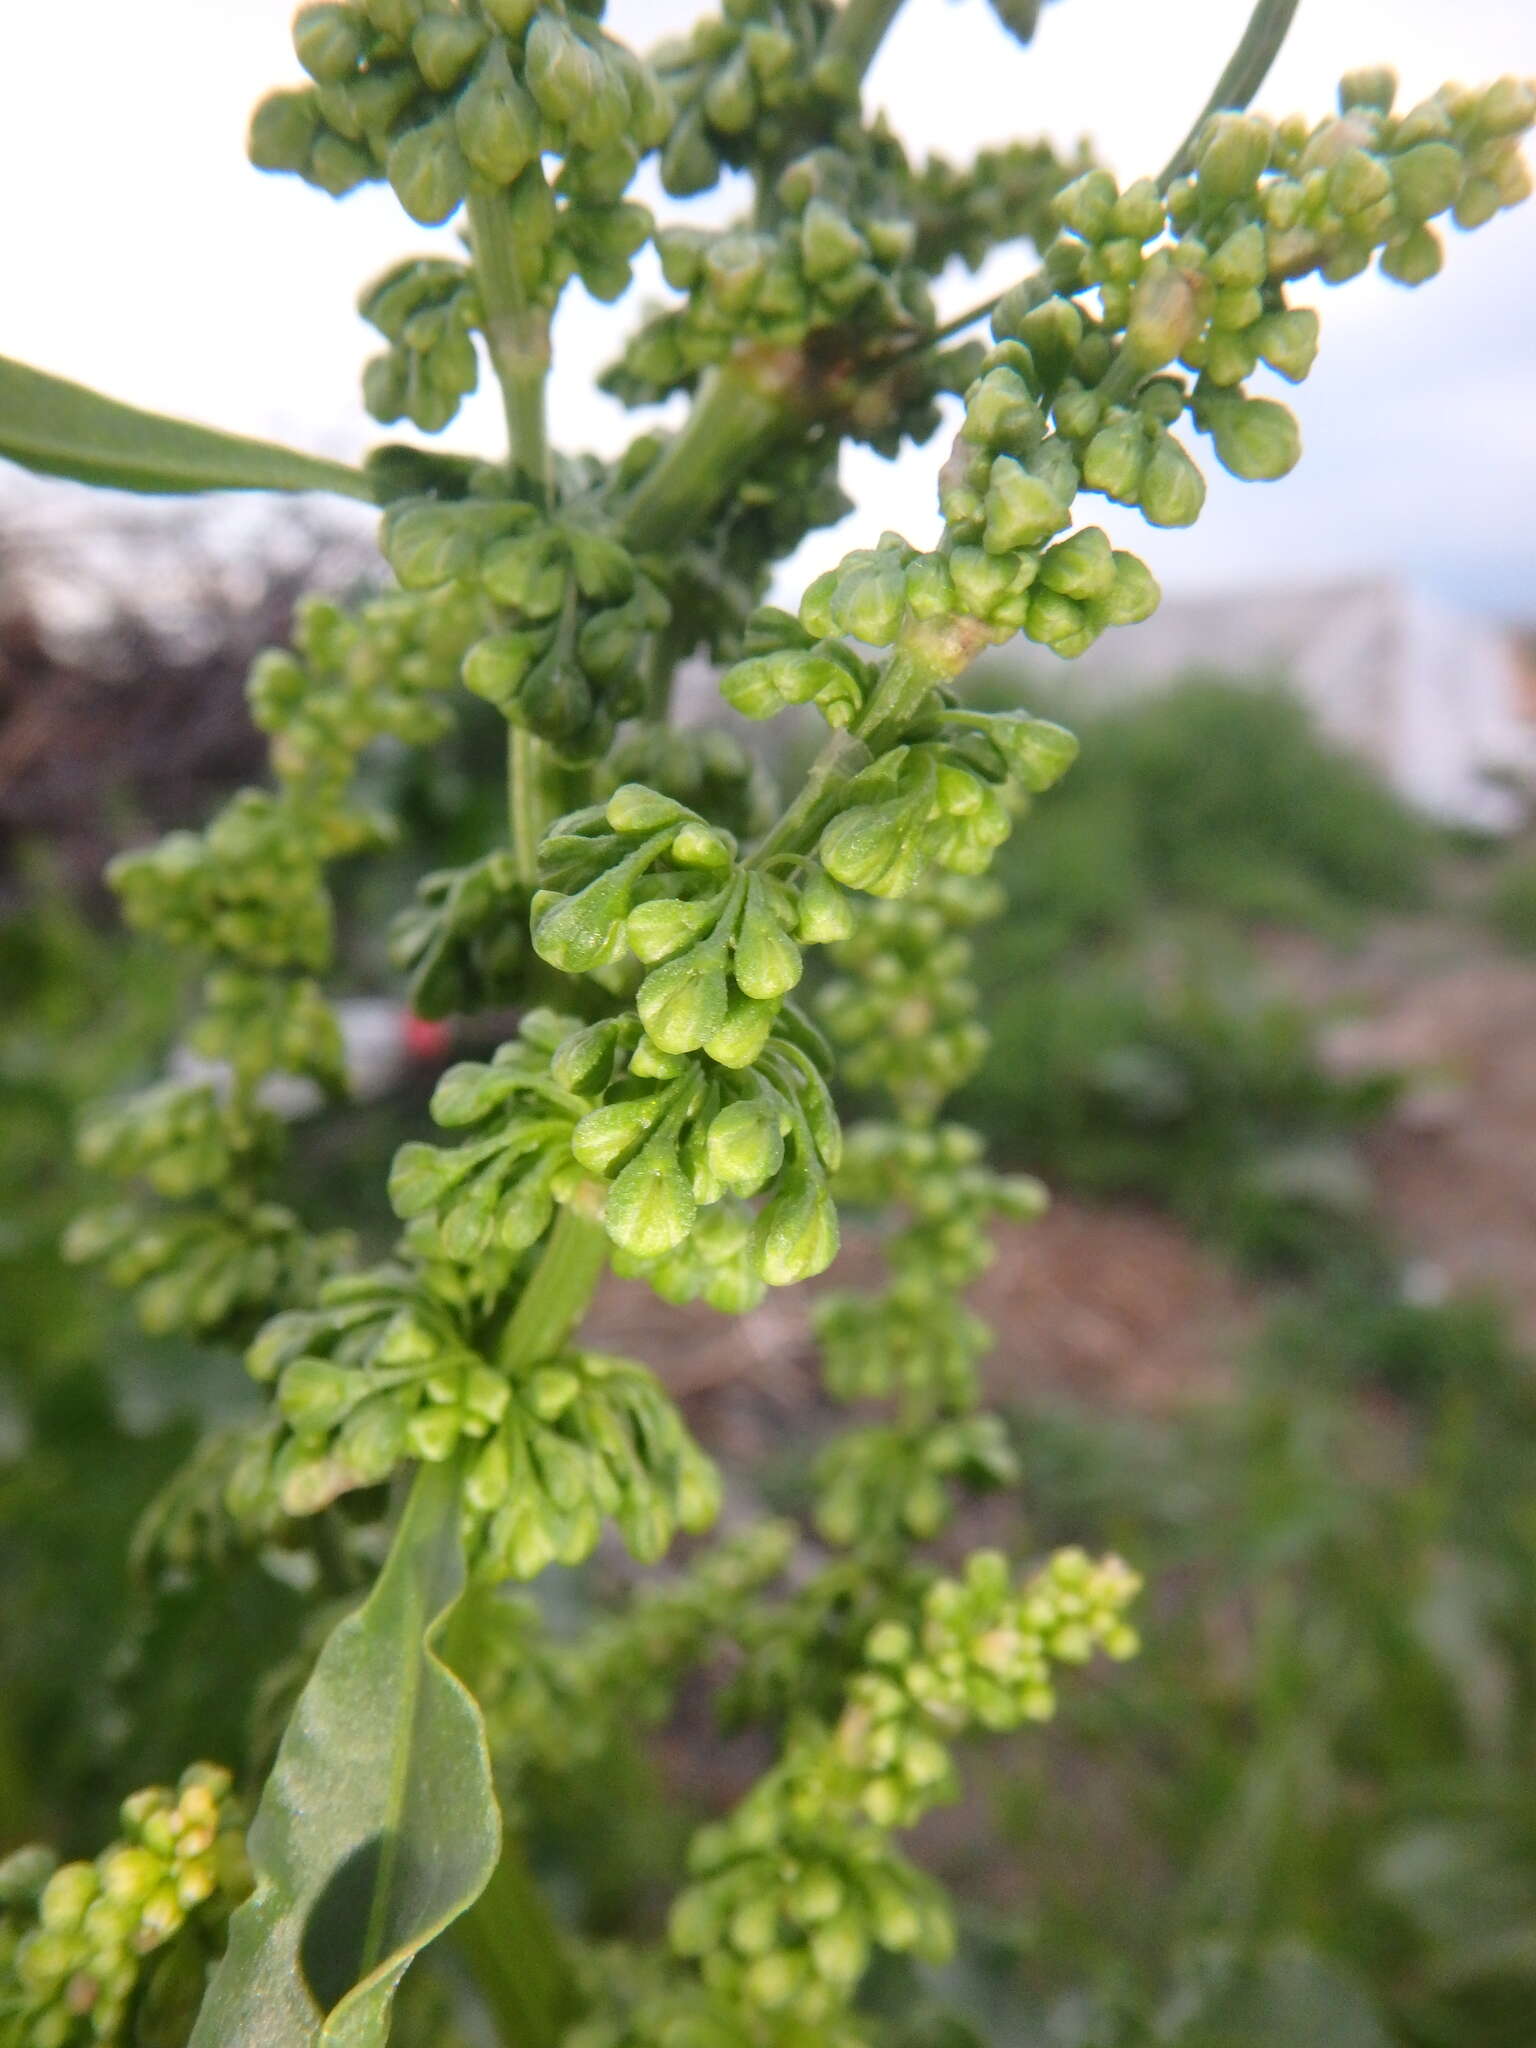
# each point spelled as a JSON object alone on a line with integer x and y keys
{"x": 742, "y": 408}
{"x": 1245, "y": 72}
{"x": 1247, "y": 69}
{"x": 516, "y": 336}
{"x": 509, "y": 1937}
{"x": 526, "y": 806}
{"x": 512, "y": 1945}
{"x": 858, "y": 32}
{"x": 556, "y": 1297}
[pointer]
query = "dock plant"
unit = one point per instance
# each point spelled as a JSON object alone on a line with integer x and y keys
{"x": 695, "y": 967}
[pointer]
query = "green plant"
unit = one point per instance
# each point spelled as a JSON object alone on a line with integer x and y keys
{"x": 1512, "y": 905}
{"x": 664, "y": 1102}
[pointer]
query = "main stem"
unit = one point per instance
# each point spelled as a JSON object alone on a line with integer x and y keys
{"x": 516, "y": 333}
{"x": 508, "y": 1936}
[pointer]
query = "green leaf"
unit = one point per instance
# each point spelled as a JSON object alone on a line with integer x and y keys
{"x": 63, "y": 429}
{"x": 379, "y": 1824}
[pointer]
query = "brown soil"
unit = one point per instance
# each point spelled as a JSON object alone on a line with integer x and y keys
{"x": 1107, "y": 1303}
{"x": 1455, "y": 1164}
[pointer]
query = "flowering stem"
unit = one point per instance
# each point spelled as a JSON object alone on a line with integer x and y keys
{"x": 516, "y": 337}
{"x": 556, "y": 1296}
{"x": 858, "y": 32}
{"x": 1245, "y": 72}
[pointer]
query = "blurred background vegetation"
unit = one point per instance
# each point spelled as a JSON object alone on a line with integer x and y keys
{"x": 1219, "y": 1002}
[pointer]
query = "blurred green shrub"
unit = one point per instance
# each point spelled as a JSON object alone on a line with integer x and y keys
{"x": 1136, "y": 1049}
{"x": 1512, "y": 904}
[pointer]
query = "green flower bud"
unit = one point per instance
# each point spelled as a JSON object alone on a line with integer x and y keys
{"x": 315, "y": 1395}
{"x": 1022, "y": 510}
{"x": 1080, "y": 566}
{"x": 1116, "y": 459}
{"x": 730, "y": 99}
{"x": 1139, "y": 211}
{"x": 1357, "y": 181}
{"x": 496, "y": 122}
{"x": 875, "y": 846}
{"x": 823, "y": 913}
{"x": 528, "y": 572}
{"x": 565, "y": 74}
{"x": 1172, "y": 489}
{"x": 982, "y": 581}
{"x": 869, "y": 600}
{"x": 634, "y": 808}
{"x": 796, "y": 1235}
{"x": 683, "y": 1002}
{"x": 762, "y": 686}
{"x": 1426, "y": 179}
{"x": 765, "y": 960}
{"x": 510, "y": 16}
{"x": 283, "y": 131}
{"x": 746, "y": 1146}
{"x": 609, "y": 1134}
{"x": 688, "y": 163}
{"x": 427, "y": 171}
{"x": 1374, "y": 87}
{"x": 1234, "y": 150}
{"x": 428, "y": 545}
{"x": 394, "y": 18}
{"x": 580, "y": 932}
{"x": 1413, "y": 258}
{"x": 1052, "y": 332}
{"x": 1164, "y": 316}
{"x": 1255, "y": 437}
{"x": 1287, "y": 341}
{"x": 338, "y": 166}
{"x": 1001, "y": 413}
{"x": 650, "y": 1207}
{"x": 1056, "y": 621}
{"x": 829, "y": 242}
{"x": 1038, "y": 753}
{"x": 657, "y": 930}
{"x": 496, "y": 666}
{"x": 444, "y": 47}
{"x": 930, "y": 589}
{"x": 740, "y": 1039}
{"x": 330, "y": 41}
{"x": 1135, "y": 594}
{"x": 1087, "y": 205}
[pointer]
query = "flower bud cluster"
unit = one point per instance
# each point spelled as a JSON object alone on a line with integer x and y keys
{"x": 980, "y": 1655}
{"x": 783, "y": 1916}
{"x": 78, "y": 1940}
{"x": 439, "y": 98}
{"x": 644, "y": 875}
{"x": 250, "y": 893}
{"x": 835, "y": 261}
{"x": 916, "y": 1339}
{"x": 559, "y": 1701}
{"x": 705, "y": 768}
{"x": 218, "y": 1261}
{"x": 1072, "y": 399}
{"x": 900, "y": 1008}
{"x": 464, "y": 941}
{"x": 946, "y": 798}
{"x": 791, "y": 1895}
{"x": 427, "y": 310}
{"x": 384, "y": 1370}
{"x": 571, "y": 609}
{"x": 1003, "y": 195}
{"x": 883, "y": 1485}
{"x": 602, "y": 1120}
{"x": 746, "y": 86}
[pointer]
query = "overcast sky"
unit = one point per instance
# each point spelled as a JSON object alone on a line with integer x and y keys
{"x": 142, "y": 254}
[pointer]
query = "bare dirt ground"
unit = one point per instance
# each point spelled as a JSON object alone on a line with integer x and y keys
{"x": 1110, "y": 1303}
{"x": 1115, "y": 1303}
{"x": 1455, "y": 1164}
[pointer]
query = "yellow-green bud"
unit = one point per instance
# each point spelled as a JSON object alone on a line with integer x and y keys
{"x": 1022, "y": 510}
{"x": 497, "y": 123}
{"x": 427, "y": 170}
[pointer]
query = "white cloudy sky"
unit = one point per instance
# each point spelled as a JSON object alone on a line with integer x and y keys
{"x": 142, "y": 254}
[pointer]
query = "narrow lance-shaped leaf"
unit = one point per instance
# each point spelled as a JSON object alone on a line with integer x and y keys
{"x": 61, "y": 429}
{"x": 379, "y": 1824}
